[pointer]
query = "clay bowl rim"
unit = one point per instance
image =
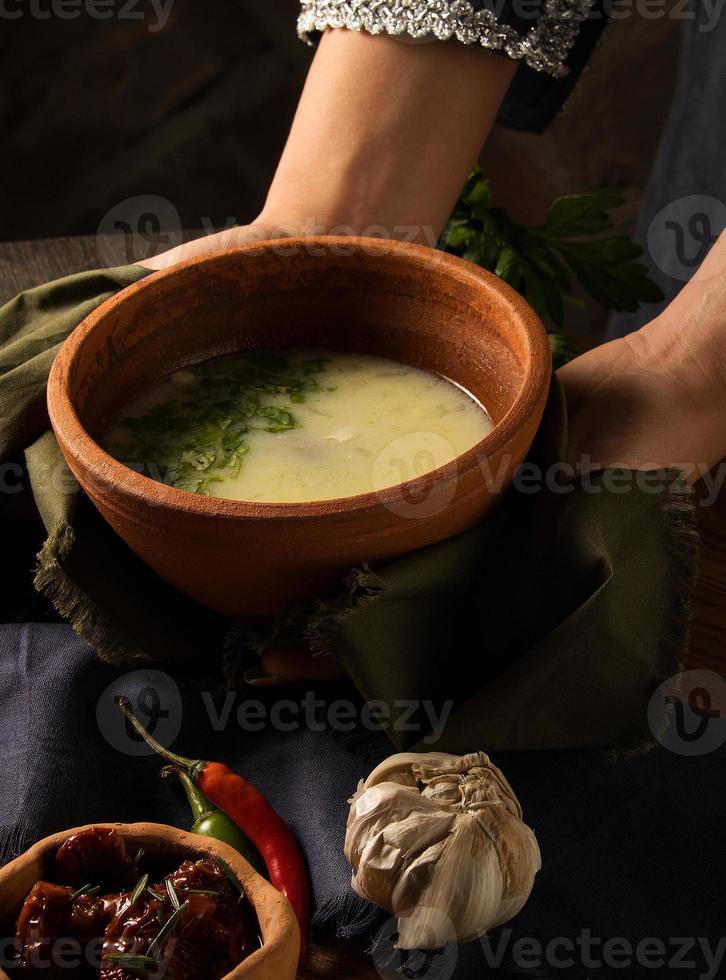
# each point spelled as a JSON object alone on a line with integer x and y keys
{"x": 285, "y": 931}
{"x": 68, "y": 426}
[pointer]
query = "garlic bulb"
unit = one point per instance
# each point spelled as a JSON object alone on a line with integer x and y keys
{"x": 439, "y": 841}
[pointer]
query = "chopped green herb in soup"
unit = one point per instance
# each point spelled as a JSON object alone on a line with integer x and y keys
{"x": 266, "y": 426}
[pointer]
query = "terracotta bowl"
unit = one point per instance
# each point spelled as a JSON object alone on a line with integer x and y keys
{"x": 415, "y": 304}
{"x": 276, "y": 959}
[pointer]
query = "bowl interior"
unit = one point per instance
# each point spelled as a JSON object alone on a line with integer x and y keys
{"x": 161, "y": 855}
{"x": 280, "y": 938}
{"x": 412, "y": 304}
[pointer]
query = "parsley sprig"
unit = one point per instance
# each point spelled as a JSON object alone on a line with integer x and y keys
{"x": 542, "y": 263}
{"x": 196, "y": 439}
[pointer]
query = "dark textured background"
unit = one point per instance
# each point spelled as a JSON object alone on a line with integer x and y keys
{"x": 93, "y": 112}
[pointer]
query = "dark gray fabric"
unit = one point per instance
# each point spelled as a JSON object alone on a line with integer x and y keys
{"x": 690, "y": 167}
{"x": 631, "y": 848}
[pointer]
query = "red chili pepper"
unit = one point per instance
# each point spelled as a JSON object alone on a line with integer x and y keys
{"x": 255, "y": 817}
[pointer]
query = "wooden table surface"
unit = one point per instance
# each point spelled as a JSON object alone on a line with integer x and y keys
{"x": 27, "y": 264}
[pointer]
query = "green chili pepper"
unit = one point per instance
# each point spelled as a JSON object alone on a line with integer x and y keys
{"x": 211, "y": 822}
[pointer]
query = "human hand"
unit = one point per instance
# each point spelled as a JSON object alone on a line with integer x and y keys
{"x": 257, "y": 231}
{"x": 627, "y": 408}
{"x": 658, "y": 396}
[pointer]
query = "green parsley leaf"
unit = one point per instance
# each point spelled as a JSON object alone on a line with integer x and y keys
{"x": 543, "y": 263}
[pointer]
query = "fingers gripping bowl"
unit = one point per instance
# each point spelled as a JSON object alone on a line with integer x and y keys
{"x": 365, "y": 296}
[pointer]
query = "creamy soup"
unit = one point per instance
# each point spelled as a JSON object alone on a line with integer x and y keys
{"x": 294, "y": 427}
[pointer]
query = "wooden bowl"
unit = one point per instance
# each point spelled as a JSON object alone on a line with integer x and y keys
{"x": 276, "y": 959}
{"x": 403, "y": 301}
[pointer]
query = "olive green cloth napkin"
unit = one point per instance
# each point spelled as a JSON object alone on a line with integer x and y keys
{"x": 547, "y": 626}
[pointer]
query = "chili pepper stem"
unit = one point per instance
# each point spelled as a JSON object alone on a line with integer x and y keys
{"x": 201, "y": 807}
{"x": 190, "y": 767}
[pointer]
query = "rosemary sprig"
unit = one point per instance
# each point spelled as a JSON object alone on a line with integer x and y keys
{"x": 140, "y": 966}
{"x": 199, "y": 891}
{"x": 139, "y": 854}
{"x": 231, "y": 876}
{"x": 88, "y": 889}
{"x": 155, "y": 894}
{"x": 166, "y": 929}
{"x": 173, "y": 897}
{"x": 139, "y": 889}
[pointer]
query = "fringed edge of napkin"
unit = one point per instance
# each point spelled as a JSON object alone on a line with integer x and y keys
{"x": 683, "y": 547}
{"x": 315, "y": 623}
{"x": 86, "y": 618}
{"x": 322, "y": 628}
{"x": 684, "y": 550}
{"x": 346, "y": 918}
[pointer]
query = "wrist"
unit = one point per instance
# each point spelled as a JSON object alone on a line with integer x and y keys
{"x": 688, "y": 352}
{"x": 340, "y": 214}
{"x": 690, "y": 334}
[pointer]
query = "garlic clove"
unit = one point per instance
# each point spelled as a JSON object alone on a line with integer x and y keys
{"x": 443, "y": 913}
